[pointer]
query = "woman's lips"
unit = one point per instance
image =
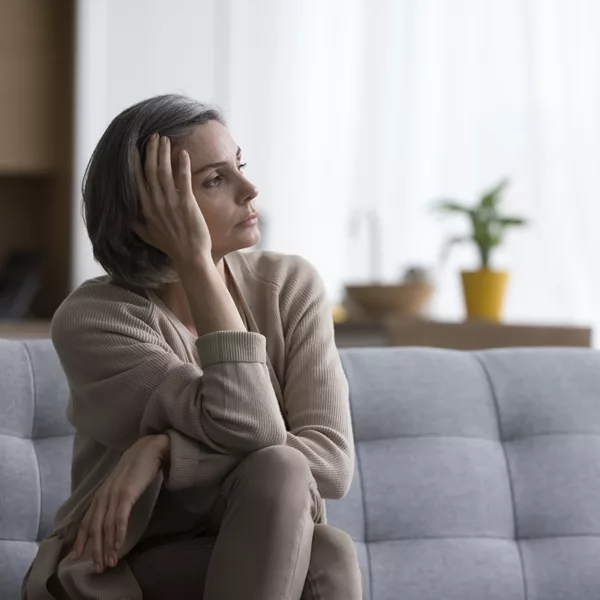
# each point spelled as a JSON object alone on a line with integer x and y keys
{"x": 250, "y": 220}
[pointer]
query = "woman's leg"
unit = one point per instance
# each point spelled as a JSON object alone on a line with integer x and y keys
{"x": 264, "y": 541}
{"x": 333, "y": 571}
{"x": 175, "y": 570}
{"x": 264, "y": 532}
{"x": 178, "y": 570}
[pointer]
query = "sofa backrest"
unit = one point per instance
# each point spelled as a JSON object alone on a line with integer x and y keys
{"x": 477, "y": 474}
{"x": 35, "y": 453}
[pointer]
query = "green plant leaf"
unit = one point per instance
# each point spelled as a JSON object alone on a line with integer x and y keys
{"x": 455, "y": 207}
{"x": 495, "y": 240}
{"x": 488, "y": 226}
{"x": 512, "y": 221}
{"x": 491, "y": 198}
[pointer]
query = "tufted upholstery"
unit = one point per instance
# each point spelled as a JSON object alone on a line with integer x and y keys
{"x": 35, "y": 453}
{"x": 478, "y": 474}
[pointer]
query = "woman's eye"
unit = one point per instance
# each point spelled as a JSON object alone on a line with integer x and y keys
{"x": 214, "y": 182}
{"x": 243, "y": 166}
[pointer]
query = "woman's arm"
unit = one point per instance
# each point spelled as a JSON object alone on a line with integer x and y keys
{"x": 125, "y": 379}
{"x": 104, "y": 525}
{"x": 316, "y": 391}
{"x": 174, "y": 223}
{"x": 126, "y": 382}
{"x": 317, "y": 408}
{"x": 188, "y": 463}
{"x": 316, "y": 396}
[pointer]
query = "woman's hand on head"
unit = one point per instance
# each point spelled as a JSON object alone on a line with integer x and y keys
{"x": 173, "y": 220}
{"x": 104, "y": 526}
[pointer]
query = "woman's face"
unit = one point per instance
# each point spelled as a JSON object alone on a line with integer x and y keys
{"x": 224, "y": 194}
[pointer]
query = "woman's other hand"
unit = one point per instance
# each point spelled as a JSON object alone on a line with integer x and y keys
{"x": 105, "y": 523}
{"x": 173, "y": 220}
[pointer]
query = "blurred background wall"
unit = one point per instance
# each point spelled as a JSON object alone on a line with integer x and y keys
{"x": 356, "y": 115}
{"x": 347, "y": 106}
{"x": 125, "y": 52}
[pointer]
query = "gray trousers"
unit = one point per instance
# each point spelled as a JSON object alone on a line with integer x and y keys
{"x": 267, "y": 547}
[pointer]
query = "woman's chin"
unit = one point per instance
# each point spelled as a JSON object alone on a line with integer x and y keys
{"x": 248, "y": 238}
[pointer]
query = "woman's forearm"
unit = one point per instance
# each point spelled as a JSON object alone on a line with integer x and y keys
{"x": 162, "y": 446}
{"x": 191, "y": 464}
{"x": 211, "y": 304}
{"x": 239, "y": 407}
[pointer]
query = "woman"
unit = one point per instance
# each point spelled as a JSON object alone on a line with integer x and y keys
{"x": 210, "y": 406}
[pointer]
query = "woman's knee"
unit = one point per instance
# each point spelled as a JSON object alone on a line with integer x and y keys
{"x": 277, "y": 469}
{"x": 278, "y": 463}
{"x": 334, "y": 567}
{"x": 333, "y": 541}
{"x": 333, "y": 545}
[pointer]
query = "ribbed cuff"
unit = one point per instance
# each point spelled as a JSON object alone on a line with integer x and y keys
{"x": 183, "y": 467}
{"x": 231, "y": 346}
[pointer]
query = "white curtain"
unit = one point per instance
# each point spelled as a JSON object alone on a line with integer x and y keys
{"x": 346, "y": 106}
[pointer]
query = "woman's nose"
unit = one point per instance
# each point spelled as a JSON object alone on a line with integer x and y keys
{"x": 250, "y": 192}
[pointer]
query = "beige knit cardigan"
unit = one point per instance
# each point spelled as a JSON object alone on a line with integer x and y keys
{"x": 134, "y": 369}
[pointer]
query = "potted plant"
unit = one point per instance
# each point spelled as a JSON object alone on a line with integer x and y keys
{"x": 484, "y": 289}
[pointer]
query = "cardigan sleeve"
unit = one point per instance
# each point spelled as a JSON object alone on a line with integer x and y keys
{"x": 191, "y": 464}
{"x": 316, "y": 395}
{"x": 126, "y": 382}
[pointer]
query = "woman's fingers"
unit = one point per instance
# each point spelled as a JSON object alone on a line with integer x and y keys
{"x": 140, "y": 179}
{"x": 110, "y": 556}
{"x": 97, "y": 531}
{"x": 104, "y": 526}
{"x": 151, "y": 167}
{"x": 184, "y": 173}
{"x": 83, "y": 534}
{"x": 125, "y": 506}
{"x": 165, "y": 171}
{"x": 142, "y": 188}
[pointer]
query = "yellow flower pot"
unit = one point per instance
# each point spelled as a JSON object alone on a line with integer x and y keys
{"x": 484, "y": 293}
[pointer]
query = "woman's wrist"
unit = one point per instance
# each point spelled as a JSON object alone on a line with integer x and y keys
{"x": 211, "y": 304}
{"x": 192, "y": 264}
{"x": 163, "y": 448}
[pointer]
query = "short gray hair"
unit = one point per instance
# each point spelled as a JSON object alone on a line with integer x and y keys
{"x": 110, "y": 199}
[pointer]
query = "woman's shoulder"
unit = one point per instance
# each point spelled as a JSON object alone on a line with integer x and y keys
{"x": 101, "y": 304}
{"x": 292, "y": 279}
{"x": 281, "y": 270}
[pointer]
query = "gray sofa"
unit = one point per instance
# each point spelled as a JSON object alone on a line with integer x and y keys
{"x": 478, "y": 474}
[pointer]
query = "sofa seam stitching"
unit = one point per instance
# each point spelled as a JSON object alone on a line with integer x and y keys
{"x": 37, "y": 464}
{"x": 364, "y": 501}
{"x": 45, "y": 437}
{"x": 488, "y": 377}
{"x": 365, "y": 520}
{"x": 520, "y": 438}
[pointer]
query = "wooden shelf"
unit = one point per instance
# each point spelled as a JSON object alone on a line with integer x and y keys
{"x": 36, "y": 121}
{"x": 29, "y": 67}
{"x": 467, "y": 335}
